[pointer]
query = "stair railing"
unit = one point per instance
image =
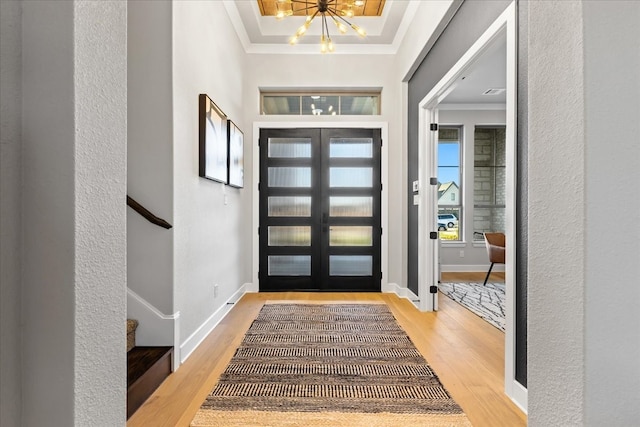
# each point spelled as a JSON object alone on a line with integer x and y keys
{"x": 148, "y": 215}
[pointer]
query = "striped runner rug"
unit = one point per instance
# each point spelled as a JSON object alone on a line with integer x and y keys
{"x": 328, "y": 365}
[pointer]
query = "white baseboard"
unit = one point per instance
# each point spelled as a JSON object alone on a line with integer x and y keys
{"x": 394, "y": 288}
{"x": 196, "y": 338}
{"x": 470, "y": 268}
{"x": 519, "y": 395}
{"x": 251, "y": 288}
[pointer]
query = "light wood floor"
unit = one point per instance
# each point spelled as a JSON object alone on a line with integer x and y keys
{"x": 466, "y": 353}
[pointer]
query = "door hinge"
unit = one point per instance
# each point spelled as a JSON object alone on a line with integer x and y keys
{"x": 433, "y": 289}
{"x": 434, "y": 126}
{"x": 433, "y": 235}
{"x": 258, "y": 231}
{"x": 433, "y": 181}
{"x": 258, "y": 186}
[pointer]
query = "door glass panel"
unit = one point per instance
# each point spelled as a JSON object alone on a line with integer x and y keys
{"x": 351, "y": 148}
{"x": 351, "y": 206}
{"x": 350, "y": 177}
{"x": 350, "y": 265}
{"x": 290, "y": 148}
{"x": 290, "y": 236}
{"x": 290, "y": 206}
{"x": 289, "y": 265}
{"x": 350, "y": 236}
{"x": 290, "y": 177}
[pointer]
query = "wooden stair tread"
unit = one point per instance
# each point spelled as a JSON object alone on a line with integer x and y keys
{"x": 140, "y": 359}
{"x": 147, "y": 367}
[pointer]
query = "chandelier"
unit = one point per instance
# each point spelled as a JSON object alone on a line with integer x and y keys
{"x": 328, "y": 10}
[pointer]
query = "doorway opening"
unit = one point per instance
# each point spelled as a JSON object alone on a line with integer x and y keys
{"x": 501, "y": 33}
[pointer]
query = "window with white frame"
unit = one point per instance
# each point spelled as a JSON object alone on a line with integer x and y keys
{"x": 320, "y": 103}
{"x": 489, "y": 170}
{"x": 450, "y": 183}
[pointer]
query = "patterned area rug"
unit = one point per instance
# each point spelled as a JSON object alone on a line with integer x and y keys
{"x": 328, "y": 365}
{"x": 485, "y": 301}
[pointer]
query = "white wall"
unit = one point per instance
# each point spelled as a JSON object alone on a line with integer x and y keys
{"x": 583, "y": 294}
{"x": 612, "y": 259}
{"x": 150, "y": 152}
{"x": 10, "y": 220}
{"x": 339, "y": 71}
{"x": 211, "y": 238}
{"x": 73, "y": 212}
{"x": 474, "y": 255}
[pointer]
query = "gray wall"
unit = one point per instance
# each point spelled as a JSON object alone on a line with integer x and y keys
{"x": 10, "y": 220}
{"x": 150, "y": 152}
{"x": 584, "y": 323}
{"x": 522, "y": 205}
{"x": 471, "y": 20}
{"x": 63, "y": 189}
{"x": 612, "y": 297}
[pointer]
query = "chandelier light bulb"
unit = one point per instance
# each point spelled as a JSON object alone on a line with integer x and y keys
{"x": 348, "y": 13}
{"x": 326, "y": 9}
{"x": 361, "y": 32}
{"x": 302, "y": 30}
{"x": 283, "y": 13}
{"x": 341, "y": 27}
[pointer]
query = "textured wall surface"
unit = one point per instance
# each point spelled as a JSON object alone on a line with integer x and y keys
{"x": 10, "y": 221}
{"x": 612, "y": 95}
{"x": 212, "y": 237}
{"x": 100, "y": 70}
{"x": 74, "y": 253}
{"x": 556, "y": 248}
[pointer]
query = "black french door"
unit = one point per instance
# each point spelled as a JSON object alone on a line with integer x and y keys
{"x": 320, "y": 225}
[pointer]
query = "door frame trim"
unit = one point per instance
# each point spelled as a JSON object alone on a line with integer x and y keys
{"x": 384, "y": 196}
{"x": 504, "y": 24}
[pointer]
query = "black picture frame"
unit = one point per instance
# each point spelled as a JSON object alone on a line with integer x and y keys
{"x": 213, "y": 144}
{"x": 235, "y": 165}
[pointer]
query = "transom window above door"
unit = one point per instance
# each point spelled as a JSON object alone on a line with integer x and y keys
{"x": 320, "y": 103}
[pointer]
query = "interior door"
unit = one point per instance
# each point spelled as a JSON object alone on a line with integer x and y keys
{"x": 320, "y": 210}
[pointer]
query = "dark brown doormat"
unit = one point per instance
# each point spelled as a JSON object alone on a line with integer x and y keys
{"x": 328, "y": 365}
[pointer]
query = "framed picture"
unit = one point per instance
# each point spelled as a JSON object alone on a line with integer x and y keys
{"x": 213, "y": 141}
{"x": 236, "y": 155}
